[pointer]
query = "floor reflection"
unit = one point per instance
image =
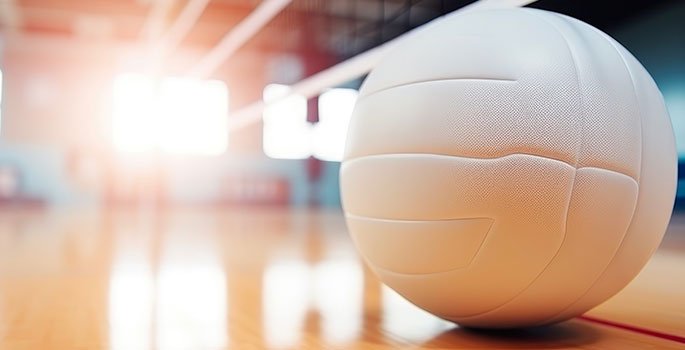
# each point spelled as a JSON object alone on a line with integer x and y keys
{"x": 338, "y": 296}
{"x": 285, "y": 302}
{"x": 130, "y": 305}
{"x": 192, "y": 306}
{"x": 191, "y": 303}
{"x": 332, "y": 289}
{"x": 212, "y": 279}
{"x": 171, "y": 281}
{"x": 402, "y": 317}
{"x": 167, "y": 292}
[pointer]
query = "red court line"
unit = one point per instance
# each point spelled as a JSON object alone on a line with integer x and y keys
{"x": 645, "y": 331}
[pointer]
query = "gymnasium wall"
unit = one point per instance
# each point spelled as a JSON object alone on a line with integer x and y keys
{"x": 55, "y": 135}
{"x": 56, "y": 112}
{"x": 657, "y": 39}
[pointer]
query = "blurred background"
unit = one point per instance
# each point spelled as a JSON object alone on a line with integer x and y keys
{"x": 129, "y": 102}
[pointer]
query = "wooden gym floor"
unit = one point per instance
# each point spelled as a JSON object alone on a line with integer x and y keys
{"x": 264, "y": 278}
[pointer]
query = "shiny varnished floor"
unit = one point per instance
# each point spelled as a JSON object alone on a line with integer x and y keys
{"x": 261, "y": 278}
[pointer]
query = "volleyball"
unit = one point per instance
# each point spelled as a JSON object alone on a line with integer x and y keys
{"x": 508, "y": 168}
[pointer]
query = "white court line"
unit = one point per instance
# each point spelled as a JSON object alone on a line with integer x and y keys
{"x": 354, "y": 67}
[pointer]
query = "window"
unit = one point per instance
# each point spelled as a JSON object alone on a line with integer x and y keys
{"x": 173, "y": 115}
{"x": 335, "y": 110}
{"x": 288, "y": 135}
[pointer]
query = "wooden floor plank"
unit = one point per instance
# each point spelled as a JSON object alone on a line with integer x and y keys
{"x": 248, "y": 279}
{"x": 655, "y": 299}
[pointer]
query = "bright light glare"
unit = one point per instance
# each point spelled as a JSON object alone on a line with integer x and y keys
{"x": 177, "y": 115}
{"x": 288, "y": 135}
{"x": 133, "y": 122}
{"x": 335, "y": 110}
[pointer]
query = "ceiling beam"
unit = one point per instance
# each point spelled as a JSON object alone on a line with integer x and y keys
{"x": 238, "y": 36}
{"x": 177, "y": 31}
{"x": 156, "y": 20}
{"x": 352, "y": 68}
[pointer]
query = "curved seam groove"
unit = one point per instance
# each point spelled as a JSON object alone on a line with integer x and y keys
{"x": 365, "y": 217}
{"x": 537, "y": 277}
{"x": 482, "y": 243}
{"x": 623, "y": 239}
{"x": 573, "y": 182}
{"x": 433, "y": 155}
{"x": 419, "y": 82}
{"x": 634, "y": 91}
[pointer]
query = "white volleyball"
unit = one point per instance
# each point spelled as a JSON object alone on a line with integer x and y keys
{"x": 508, "y": 168}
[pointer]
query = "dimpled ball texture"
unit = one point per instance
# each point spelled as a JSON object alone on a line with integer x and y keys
{"x": 508, "y": 168}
